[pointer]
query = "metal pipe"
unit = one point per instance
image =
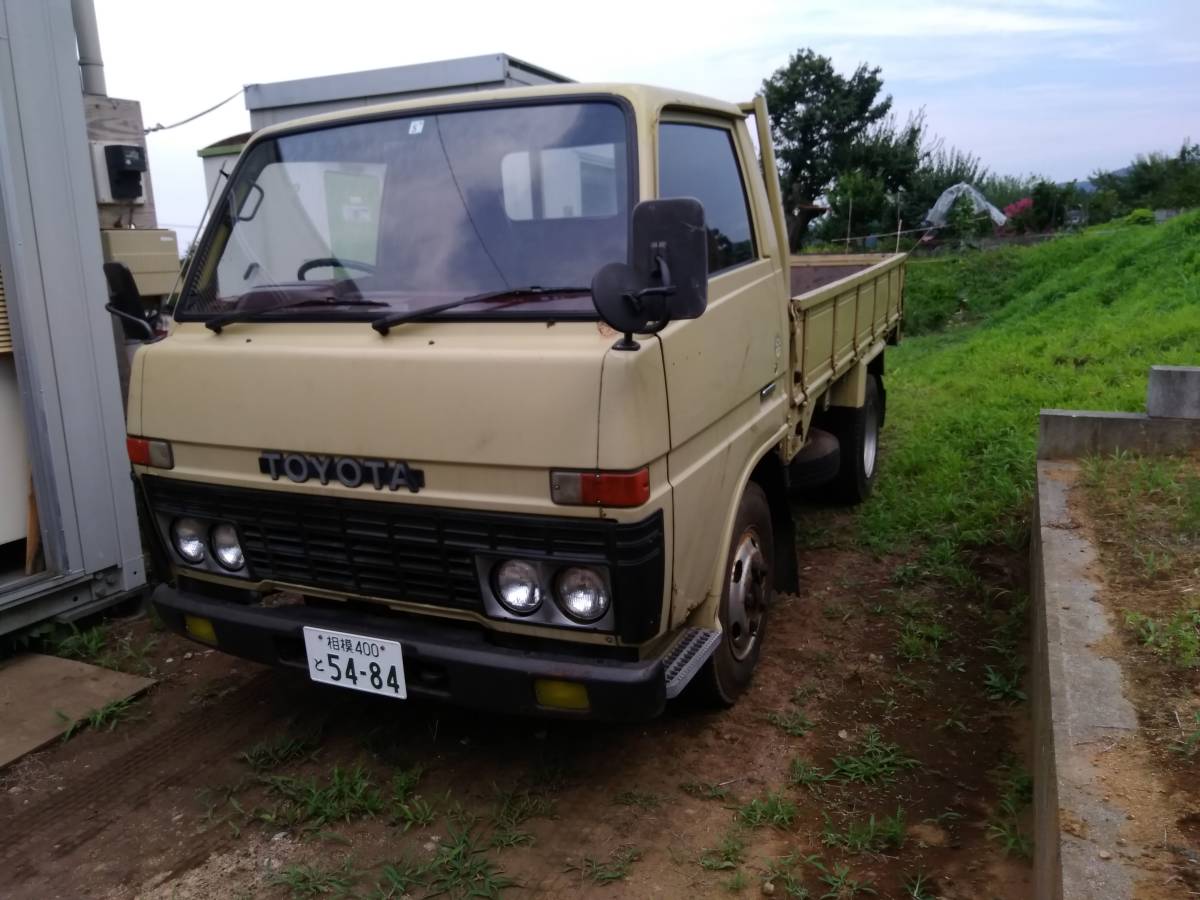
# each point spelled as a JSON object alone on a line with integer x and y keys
{"x": 87, "y": 36}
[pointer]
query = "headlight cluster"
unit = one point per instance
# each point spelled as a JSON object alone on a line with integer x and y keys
{"x": 581, "y": 593}
{"x": 194, "y": 541}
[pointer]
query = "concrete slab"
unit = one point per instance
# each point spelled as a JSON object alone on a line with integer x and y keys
{"x": 35, "y": 688}
{"x": 1174, "y": 391}
{"x": 1071, "y": 434}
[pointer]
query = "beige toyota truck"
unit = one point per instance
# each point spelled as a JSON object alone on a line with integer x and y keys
{"x": 497, "y": 398}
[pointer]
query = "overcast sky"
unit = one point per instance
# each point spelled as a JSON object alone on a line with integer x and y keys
{"x": 1056, "y": 87}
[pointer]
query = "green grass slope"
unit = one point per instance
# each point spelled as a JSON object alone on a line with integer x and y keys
{"x": 1074, "y": 323}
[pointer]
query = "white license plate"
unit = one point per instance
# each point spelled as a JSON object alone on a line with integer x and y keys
{"x": 354, "y": 661}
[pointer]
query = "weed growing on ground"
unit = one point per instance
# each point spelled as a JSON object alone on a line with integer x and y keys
{"x": 615, "y": 868}
{"x": 729, "y": 855}
{"x": 317, "y": 881}
{"x": 804, "y": 693}
{"x": 770, "y": 809}
{"x": 919, "y": 887}
{"x": 1003, "y": 688}
{"x": 872, "y": 835}
{"x": 96, "y": 646}
{"x": 273, "y": 752}
{"x": 1016, "y": 793}
{"x": 640, "y": 799}
{"x": 736, "y": 883}
{"x": 1176, "y": 639}
{"x": 780, "y": 873}
{"x": 838, "y": 881}
{"x": 105, "y": 718}
{"x": 922, "y": 632}
{"x": 1190, "y": 742}
{"x": 802, "y": 773}
{"x": 86, "y": 646}
{"x": 462, "y": 868}
{"x": 704, "y": 790}
{"x": 311, "y": 804}
{"x": 415, "y": 812}
{"x": 513, "y": 809}
{"x": 876, "y": 762}
{"x": 397, "y": 879}
{"x": 793, "y": 722}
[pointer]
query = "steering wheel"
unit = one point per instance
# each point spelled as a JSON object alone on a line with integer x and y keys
{"x": 332, "y": 262}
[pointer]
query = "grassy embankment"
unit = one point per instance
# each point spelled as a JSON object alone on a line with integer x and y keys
{"x": 1073, "y": 323}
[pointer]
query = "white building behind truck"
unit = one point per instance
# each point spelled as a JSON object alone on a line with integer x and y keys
{"x": 281, "y": 101}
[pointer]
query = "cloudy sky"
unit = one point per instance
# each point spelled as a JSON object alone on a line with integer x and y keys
{"x": 1056, "y": 87}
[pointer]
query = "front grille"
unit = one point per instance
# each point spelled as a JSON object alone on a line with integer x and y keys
{"x": 406, "y": 552}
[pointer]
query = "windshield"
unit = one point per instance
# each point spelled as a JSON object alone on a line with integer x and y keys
{"x": 415, "y": 212}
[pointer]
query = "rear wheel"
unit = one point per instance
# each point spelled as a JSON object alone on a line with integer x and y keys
{"x": 745, "y": 600}
{"x": 857, "y": 431}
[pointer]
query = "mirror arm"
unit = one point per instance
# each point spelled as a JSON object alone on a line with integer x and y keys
{"x": 640, "y": 302}
{"x": 126, "y": 317}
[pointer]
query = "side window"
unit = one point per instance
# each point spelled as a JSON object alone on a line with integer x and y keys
{"x": 699, "y": 161}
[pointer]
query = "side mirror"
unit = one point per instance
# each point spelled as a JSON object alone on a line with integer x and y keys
{"x": 668, "y": 276}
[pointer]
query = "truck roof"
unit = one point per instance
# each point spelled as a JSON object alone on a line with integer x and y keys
{"x": 643, "y": 98}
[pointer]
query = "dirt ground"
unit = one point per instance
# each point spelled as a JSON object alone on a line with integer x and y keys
{"x": 1135, "y": 513}
{"x": 849, "y": 717}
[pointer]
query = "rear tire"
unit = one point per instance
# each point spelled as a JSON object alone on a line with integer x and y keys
{"x": 745, "y": 601}
{"x": 857, "y": 431}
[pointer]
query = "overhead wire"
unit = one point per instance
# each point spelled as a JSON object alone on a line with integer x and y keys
{"x": 215, "y": 106}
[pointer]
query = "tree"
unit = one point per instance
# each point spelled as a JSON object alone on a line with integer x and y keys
{"x": 1154, "y": 181}
{"x": 817, "y": 118}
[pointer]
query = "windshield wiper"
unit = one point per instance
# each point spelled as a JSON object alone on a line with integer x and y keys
{"x": 216, "y": 323}
{"x": 384, "y": 323}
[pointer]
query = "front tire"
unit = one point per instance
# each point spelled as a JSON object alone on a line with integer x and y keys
{"x": 745, "y": 601}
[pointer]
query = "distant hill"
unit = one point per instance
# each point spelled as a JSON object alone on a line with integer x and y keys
{"x": 1087, "y": 186}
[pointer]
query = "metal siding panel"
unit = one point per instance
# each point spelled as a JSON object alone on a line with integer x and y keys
{"x": 60, "y": 294}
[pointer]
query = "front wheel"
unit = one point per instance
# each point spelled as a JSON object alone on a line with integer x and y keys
{"x": 745, "y": 600}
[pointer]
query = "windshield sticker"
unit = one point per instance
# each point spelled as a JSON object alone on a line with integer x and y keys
{"x": 416, "y": 126}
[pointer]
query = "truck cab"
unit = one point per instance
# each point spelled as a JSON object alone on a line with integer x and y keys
{"x": 459, "y": 387}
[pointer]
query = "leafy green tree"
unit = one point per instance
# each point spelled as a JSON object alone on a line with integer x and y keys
{"x": 858, "y": 201}
{"x": 1050, "y": 204}
{"x": 818, "y": 116}
{"x": 1154, "y": 181}
{"x": 962, "y": 220}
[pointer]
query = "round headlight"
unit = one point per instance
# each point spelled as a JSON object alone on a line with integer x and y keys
{"x": 225, "y": 547}
{"x": 582, "y": 594}
{"x": 188, "y": 537}
{"x": 518, "y": 587}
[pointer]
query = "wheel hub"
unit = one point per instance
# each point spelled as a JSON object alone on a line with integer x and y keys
{"x": 747, "y": 594}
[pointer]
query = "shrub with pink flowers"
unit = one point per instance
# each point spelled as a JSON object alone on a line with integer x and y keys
{"x": 1020, "y": 215}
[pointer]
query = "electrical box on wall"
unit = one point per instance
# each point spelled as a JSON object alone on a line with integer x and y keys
{"x": 117, "y": 170}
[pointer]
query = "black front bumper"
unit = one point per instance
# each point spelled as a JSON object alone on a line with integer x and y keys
{"x": 441, "y": 662}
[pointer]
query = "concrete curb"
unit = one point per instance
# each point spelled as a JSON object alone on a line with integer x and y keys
{"x": 1078, "y": 707}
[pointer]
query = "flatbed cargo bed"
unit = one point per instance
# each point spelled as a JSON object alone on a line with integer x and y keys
{"x": 844, "y": 306}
